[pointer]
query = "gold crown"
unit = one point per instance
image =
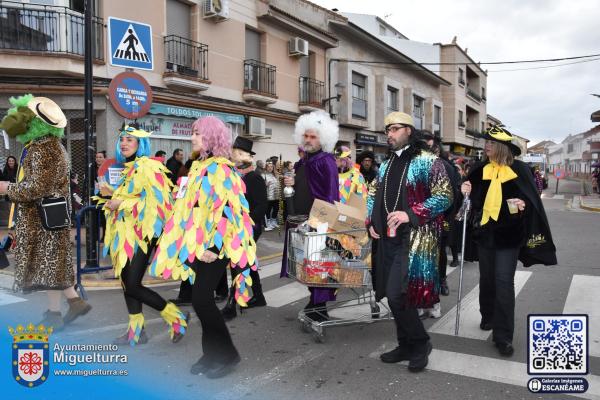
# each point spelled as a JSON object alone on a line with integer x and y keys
{"x": 31, "y": 332}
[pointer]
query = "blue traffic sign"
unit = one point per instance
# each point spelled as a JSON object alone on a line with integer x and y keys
{"x": 130, "y": 44}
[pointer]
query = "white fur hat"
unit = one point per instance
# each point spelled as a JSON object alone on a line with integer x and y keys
{"x": 320, "y": 121}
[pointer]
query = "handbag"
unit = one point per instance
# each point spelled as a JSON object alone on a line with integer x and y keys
{"x": 54, "y": 213}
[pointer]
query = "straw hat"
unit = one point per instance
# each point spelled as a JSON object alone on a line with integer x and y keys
{"x": 48, "y": 111}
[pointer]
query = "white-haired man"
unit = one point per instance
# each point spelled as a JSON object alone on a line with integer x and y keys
{"x": 316, "y": 177}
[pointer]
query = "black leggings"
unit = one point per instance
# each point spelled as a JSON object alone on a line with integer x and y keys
{"x": 131, "y": 280}
{"x": 272, "y": 209}
{"x": 216, "y": 340}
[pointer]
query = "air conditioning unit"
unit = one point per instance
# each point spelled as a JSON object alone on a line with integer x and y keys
{"x": 298, "y": 47}
{"x": 217, "y": 10}
{"x": 257, "y": 127}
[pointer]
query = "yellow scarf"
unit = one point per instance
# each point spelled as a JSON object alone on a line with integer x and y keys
{"x": 497, "y": 174}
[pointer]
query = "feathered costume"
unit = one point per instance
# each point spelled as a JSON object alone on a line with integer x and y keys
{"x": 352, "y": 181}
{"x": 146, "y": 202}
{"x": 429, "y": 194}
{"x": 212, "y": 214}
{"x": 146, "y": 193}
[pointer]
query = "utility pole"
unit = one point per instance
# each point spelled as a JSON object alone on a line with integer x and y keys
{"x": 91, "y": 225}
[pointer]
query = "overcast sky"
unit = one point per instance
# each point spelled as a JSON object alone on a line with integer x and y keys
{"x": 537, "y": 104}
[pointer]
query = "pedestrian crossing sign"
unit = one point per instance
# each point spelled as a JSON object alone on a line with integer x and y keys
{"x": 130, "y": 44}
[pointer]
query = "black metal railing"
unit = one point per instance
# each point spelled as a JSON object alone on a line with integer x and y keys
{"x": 48, "y": 29}
{"x": 311, "y": 91}
{"x": 473, "y": 95}
{"x": 186, "y": 57}
{"x": 473, "y": 132}
{"x": 259, "y": 77}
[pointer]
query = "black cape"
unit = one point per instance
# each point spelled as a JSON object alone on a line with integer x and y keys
{"x": 539, "y": 247}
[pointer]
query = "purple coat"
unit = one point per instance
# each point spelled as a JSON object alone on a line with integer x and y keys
{"x": 322, "y": 176}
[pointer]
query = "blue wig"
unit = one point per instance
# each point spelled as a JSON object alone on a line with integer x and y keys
{"x": 144, "y": 148}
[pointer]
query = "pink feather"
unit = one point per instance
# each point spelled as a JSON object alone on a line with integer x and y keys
{"x": 128, "y": 250}
{"x": 159, "y": 178}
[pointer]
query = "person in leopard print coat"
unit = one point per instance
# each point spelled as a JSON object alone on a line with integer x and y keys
{"x": 43, "y": 257}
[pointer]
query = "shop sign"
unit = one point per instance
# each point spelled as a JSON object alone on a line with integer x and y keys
{"x": 193, "y": 113}
{"x": 130, "y": 95}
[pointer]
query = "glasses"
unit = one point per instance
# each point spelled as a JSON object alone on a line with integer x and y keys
{"x": 394, "y": 128}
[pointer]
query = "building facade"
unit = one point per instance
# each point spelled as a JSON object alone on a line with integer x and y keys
{"x": 256, "y": 64}
{"x": 465, "y": 115}
{"x": 371, "y": 74}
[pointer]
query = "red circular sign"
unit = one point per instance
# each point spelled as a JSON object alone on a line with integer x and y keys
{"x": 130, "y": 95}
{"x": 559, "y": 174}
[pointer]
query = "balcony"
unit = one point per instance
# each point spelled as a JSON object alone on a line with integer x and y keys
{"x": 461, "y": 124}
{"x": 186, "y": 63}
{"x": 28, "y": 29}
{"x": 311, "y": 94}
{"x": 461, "y": 81}
{"x": 473, "y": 95}
{"x": 473, "y": 132}
{"x": 259, "y": 82}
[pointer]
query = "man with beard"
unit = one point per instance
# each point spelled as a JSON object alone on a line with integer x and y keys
{"x": 316, "y": 178}
{"x": 406, "y": 215}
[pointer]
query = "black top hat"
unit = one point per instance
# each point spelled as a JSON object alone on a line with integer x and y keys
{"x": 365, "y": 154}
{"x": 500, "y": 134}
{"x": 243, "y": 144}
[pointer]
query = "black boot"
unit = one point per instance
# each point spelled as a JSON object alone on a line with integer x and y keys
{"x": 229, "y": 312}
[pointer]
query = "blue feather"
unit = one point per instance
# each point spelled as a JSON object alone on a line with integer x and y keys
{"x": 212, "y": 168}
{"x": 172, "y": 250}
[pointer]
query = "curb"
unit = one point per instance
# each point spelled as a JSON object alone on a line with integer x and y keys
{"x": 114, "y": 283}
{"x": 589, "y": 208}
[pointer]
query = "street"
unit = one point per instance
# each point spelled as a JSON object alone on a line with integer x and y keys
{"x": 280, "y": 361}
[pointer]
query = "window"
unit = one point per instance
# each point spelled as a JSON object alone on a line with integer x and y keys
{"x": 483, "y": 95}
{"x": 437, "y": 121}
{"x": 461, "y": 76}
{"x": 178, "y": 19}
{"x": 461, "y": 121}
{"x": 418, "y": 111}
{"x": 570, "y": 148}
{"x": 392, "y": 99}
{"x": 482, "y": 126}
{"x": 359, "y": 96}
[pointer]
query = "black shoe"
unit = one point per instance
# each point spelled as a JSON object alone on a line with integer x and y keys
{"x": 486, "y": 326}
{"x": 229, "y": 312}
{"x": 181, "y": 302}
{"x": 444, "y": 290}
{"x": 505, "y": 349}
{"x": 419, "y": 359}
{"x": 201, "y": 366}
{"x": 400, "y": 353}
{"x": 124, "y": 339}
{"x": 219, "y": 298}
{"x": 258, "y": 300}
{"x": 219, "y": 370}
{"x": 177, "y": 336}
{"x": 454, "y": 263}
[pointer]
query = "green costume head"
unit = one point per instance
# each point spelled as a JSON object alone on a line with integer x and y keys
{"x": 32, "y": 118}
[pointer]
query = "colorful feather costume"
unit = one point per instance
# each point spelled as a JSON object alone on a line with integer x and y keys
{"x": 145, "y": 191}
{"x": 352, "y": 181}
{"x": 213, "y": 212}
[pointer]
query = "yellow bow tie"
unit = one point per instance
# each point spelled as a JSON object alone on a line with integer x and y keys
{"x": 497, "y": 174}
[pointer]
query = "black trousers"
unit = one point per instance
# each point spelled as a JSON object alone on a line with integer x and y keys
{"x": 216, "y": 340}
{"x": 443, "y": 257}
{"x": 497, "y": 290}
{"x": 409, "y": 328}
{"x": 135, "y": 293}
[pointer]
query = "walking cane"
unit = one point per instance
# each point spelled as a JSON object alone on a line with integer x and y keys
{"x": 464, "y": 211}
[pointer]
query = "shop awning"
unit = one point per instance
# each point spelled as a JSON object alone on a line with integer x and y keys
{"x": 193, "y": 113}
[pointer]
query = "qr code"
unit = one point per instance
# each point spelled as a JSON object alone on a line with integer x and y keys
{"x": 558, "y": 344}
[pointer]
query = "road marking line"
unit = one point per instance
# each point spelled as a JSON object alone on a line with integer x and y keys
{"x": 6, "y": 299}
{"x": 486, "y": 368}
{"x": 469, "y": 313}
{"x": 286, "y": 294}
{"x": 583, "y": 299}
{"x": 240, "y": 390}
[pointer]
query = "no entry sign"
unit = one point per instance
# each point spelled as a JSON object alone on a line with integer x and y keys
{"x": 130, "y": 95}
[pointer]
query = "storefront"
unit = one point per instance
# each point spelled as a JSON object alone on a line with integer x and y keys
{"x": 172, "y": 126}
{"x": 377, "y": 143}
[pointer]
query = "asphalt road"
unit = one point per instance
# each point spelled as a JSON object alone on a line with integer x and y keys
{"x": 280, "y": 361}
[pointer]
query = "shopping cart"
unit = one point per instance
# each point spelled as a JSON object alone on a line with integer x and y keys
{"x": 337, "y": 260}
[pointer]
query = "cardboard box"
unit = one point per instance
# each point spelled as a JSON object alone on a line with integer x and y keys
{"x": 340, "y": 217}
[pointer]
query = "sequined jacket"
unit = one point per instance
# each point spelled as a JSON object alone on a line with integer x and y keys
{"x": 429, "y": 194}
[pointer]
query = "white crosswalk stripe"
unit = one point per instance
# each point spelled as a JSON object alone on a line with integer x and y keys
{"x": 583, "y": 299}
{"x": 469, "y": 313}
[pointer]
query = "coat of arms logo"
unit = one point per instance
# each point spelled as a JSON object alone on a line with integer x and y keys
{"x": 30, "y": 354}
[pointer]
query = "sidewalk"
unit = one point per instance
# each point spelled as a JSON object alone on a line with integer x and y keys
{"x": 269, "y": 248}
{"x": 590, "y": 203}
